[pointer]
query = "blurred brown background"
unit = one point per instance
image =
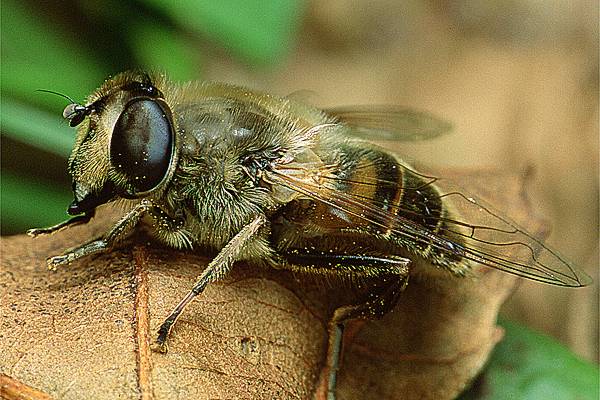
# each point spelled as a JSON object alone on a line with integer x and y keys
{"x": 519, "y": 80}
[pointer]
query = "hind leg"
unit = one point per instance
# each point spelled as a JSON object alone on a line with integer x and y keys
{"x": 389, "y": 275}
{"x": 378, "y": 304}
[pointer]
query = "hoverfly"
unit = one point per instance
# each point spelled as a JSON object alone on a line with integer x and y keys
{"x": 272, "y": 181}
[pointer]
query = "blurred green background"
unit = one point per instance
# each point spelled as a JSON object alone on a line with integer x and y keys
{"x": 518, "y": 78}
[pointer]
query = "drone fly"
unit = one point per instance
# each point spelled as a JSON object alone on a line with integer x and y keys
{"x": 253, "y": 177}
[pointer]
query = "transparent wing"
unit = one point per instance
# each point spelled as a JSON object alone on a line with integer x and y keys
{"x": 486, "y": 237}
{"x": 380, "y": 122}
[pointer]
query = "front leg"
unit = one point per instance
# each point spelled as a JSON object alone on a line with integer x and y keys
{"x": 124, "y": 226}
{"x": 77, "y": 220}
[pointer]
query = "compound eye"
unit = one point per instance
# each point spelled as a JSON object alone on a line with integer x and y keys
{"x": 141, "y": 146}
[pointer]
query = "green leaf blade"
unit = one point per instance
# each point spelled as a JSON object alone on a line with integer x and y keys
{"x": 259, "y": 31}
{"x": 529, "y": 366}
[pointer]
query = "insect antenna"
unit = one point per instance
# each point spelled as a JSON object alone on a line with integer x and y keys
{"x": 58, "y": 94}
{"x": 74, "y": 112}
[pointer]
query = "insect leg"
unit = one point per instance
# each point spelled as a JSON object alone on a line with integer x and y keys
{"x": 216, "y": 270}
{"x": 392, "y": 277}
{"x": 122, "y": 227}
{"x": 77, "y": 220}
{"x": 377, "y": 305}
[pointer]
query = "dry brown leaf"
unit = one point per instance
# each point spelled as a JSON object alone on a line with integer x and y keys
{"x": 85, "y": 330}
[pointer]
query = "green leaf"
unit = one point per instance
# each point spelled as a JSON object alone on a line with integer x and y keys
{"x": 26, "y": 201}
{"x": 160, "y": 48}
{"x": 39, "y": 55}
{"x": 259, "y": 31}
{"x": 529, "y": 366}
{"x": 35, "y": 127}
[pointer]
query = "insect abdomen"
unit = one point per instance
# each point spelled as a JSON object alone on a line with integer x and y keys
{"x": 399, "y": 195}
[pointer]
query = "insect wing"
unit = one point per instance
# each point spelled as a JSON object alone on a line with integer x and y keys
{"x": 494, "y": 240}
{"x": 380, "y": 122}
{"x": 487, "y": 237}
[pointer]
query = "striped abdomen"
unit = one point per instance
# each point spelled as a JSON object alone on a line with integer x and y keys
{"x": 395, "y": 200}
